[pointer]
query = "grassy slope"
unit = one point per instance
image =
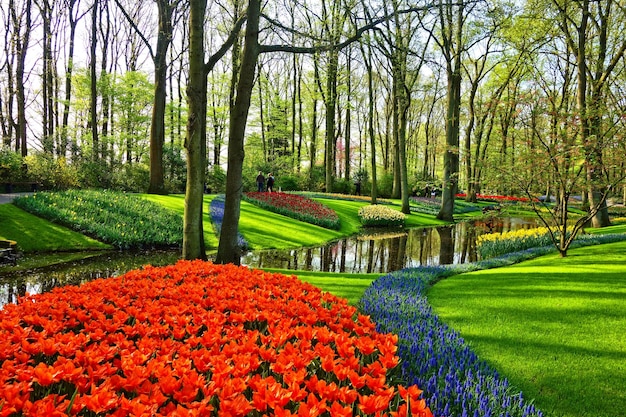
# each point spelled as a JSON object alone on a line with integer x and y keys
{"x": 265, "y": 230}
{"x": 554, "y": 326}
{"x": 176, "y": 202}
{"x": 346, "y": 285}
{"x": 33, "y": 234}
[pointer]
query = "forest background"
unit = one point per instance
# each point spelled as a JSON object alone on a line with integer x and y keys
{"x": 480, "y": 96}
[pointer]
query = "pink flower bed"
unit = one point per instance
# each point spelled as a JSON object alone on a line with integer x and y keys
{"x": 297, "y": 207}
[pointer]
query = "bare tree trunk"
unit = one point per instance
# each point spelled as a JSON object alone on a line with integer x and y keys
{"x": 21, "y": 48}
{"x": 157, "y": 125}
{"x": 93, "y": 117}
{"x": 228, "y": 250}
{"x": 452, "y": 50}
{"x": 348, "y": 128}
{"x": 64, "y": 142}
{"x": 331, "y": 102}
{"x": 370, "y": 121}
{"x": 193, "y": 233}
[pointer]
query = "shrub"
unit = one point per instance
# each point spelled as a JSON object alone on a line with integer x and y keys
{"x": 52, "y": 173}
{"x": 10, "y": 165}
{"x": 377, "y": 215}
{"x": 237, "y": 342}
{"x": 296, "y": 207}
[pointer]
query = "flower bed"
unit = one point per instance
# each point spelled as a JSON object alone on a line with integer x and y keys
{"x": 296, "y": 207}
{"x": 376, "y": 215}
{"x": 197, "y": 339}
{"x": 497, "y": 198}
{"x": 216, "y": 209}
{"x": 455, "y": 381}
{"x": 345, "y": 197}
{"x": 495, "y": 244}
{"x": 432, "y": 206}
{"x": 123, "y": 220}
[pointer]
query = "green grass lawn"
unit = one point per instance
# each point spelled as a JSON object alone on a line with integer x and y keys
{"x": 176, "y": 202}
{"x": 34, "y": 234}
{"x": 346, "y": 285}
{"x": 553, "y": 326}
{"x": 266, "y": 230}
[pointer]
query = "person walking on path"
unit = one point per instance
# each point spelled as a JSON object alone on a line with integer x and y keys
{"x": 270, "y": 182}
{"x": 260, "y": 181}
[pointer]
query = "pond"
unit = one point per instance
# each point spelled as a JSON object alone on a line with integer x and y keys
{"x": 14, "y": 285}
{"x": 382, "y": 251}
{"x": 375, "y": 251}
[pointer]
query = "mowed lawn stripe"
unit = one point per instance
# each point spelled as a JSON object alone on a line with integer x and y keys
{"x": 554, "y": 326}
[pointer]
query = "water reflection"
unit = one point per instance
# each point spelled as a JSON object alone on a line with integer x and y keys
{"x": 15, "y": 285}
{"x": 384, "y": 251}
{"x": 372, "y": 251}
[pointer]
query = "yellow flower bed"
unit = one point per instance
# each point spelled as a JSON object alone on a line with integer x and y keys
{"x": 513, "y": 234}
{"x": 378, "y": 215}
{"x": 496, "y": 244}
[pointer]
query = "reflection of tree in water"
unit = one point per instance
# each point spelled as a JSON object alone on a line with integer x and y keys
{"x": 446, "y": 245}
{"x": 373, "y": 253}
{"x": 380, "y": 252}
{"x": 17, "y": 284}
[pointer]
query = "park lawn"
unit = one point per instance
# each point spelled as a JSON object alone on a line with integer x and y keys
{"x": 553, "y": 326}
{"x": 34, "y": 234}
{"x": 176, "y": 202}
{"x": 616, "y": 228}
{"x": 345, "y": 285}
{"x": 263, "y": 229}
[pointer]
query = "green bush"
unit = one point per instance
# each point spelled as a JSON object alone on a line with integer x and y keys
{"x": 10, "y": 165}
{"x": 52, "y": 173}
{"x": 131, "y": 178}
{"x": 216, "y": 180}
{"x": 385, "y": 185}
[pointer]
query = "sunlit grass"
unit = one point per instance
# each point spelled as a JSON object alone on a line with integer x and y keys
{"x": 553, "y": 326}
{"x": 176, "y": 202}
{"x": 345, "y": 285}
{"x": 34, "y": 234}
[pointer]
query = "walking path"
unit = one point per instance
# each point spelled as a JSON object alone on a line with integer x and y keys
{"x": 7, "y": 198}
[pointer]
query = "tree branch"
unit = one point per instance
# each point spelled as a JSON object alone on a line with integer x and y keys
{"x": 234, "y": 33}
{"x": 134, "y": 26}
{"x": 327, "y": 47}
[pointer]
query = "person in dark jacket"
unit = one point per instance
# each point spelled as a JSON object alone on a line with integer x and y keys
{"x": 260, "y": 181}
{"x": 270, "y": 182}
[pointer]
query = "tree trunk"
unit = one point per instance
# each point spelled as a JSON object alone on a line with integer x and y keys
{"x": 228, "y": 250}
{"x": 157, "y": 126}
{"x": 331, "y": 101}
{"x": 62, "y": 149}
{"x": 21, "y": 49}
{"x": 370, "y": 122}
{"x": 193, "y": 233}
{"x": 93, "y": 117}
{"x": 451, "y": 155}
{"x": 452, "y": 51}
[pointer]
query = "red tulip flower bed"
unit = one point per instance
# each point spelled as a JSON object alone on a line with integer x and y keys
{"x": 497, "y": 198}
{"x": 197, "y": 339}
{"x": 297, "y": 207}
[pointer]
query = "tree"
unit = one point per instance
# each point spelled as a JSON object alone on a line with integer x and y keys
{"x": 21, "y": 21}
{"x": 193, "y": 233}
{"x": 228, "y": 250}
{"x": 166, "y": 10}
{"x": 586, "y": 25}
{"x": 195, "y": 145}
{"x": 451, "y": 19}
